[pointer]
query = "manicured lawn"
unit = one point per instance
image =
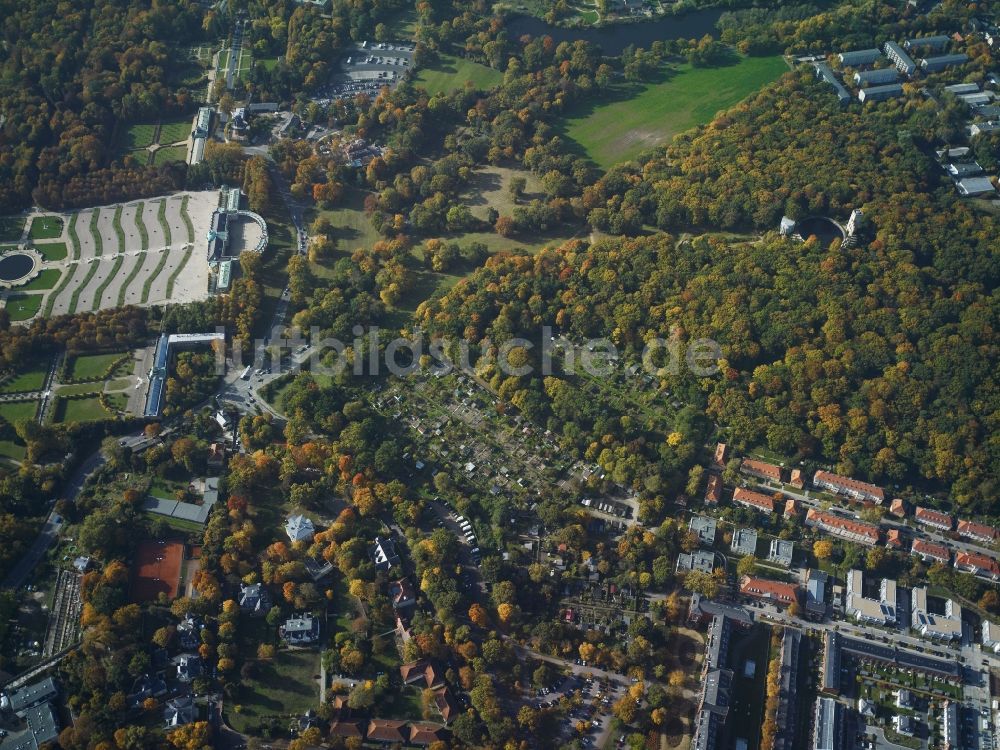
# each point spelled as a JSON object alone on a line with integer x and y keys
{"x": 79, "y": 410}
{"x": 77, "y": 389}
{"x": 165, "y": 487}
{"x": 267, "y": 63}
{"x": 93, "y": 366}
{"x": 23, "y": 306}
{"x": 11, "y": 228}
{"x": 27, "y": 380}
{"x": 282, "y": 687}
{"x": 170, "y": 153}
{"x": 46, "y": 228}
{"x": 637, "y": 117}
{"x": 10, "y": 449}
{"x": 12, "y": 411}
{"x": 44, "y": 280}
{"x": 452, "y": 72}
{"x": 137, "y": 135}
{"x": 53, "y": 250}
{"x": 175, "y": 130}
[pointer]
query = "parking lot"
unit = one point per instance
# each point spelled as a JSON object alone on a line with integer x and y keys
{"x": 367, "y": 67}
{"x": 592, "y": 713}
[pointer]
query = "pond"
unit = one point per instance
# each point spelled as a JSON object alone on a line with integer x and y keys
{"x": 615, "y": 38}
{"x": 15, "y": 266}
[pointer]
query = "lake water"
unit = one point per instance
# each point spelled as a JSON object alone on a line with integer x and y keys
{"x": 613, "y": 39}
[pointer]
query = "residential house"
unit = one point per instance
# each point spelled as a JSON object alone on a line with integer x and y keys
{"x": 778, "y": 592}
{"x": 347, "y": 728}
{"x": 180, "y": 711}
{"x": 753, "y": 500}
{"x": 386, "y": 731}
{"x": 300, "y": 529}
{"x": 881, "y": 611}
{"x": 845, "y": 528}
{"x": 853, "y": 488}
{"x": 977, "y": 531}
{"x": 859, "y": 57}
{"x": 699, "y": 560}
{"x": 744, "y": 542}
{"x": 216, "y": 456}
{"x": 300, "y": 631}
{"x": 971, "y": 187}
{"x": 931, "y": 552}
{"x": 933, "y": 518}
{"x": 704, "y": 528}
{"x": 893, "y": 540}
{"x": 721, "y": 455}
{"x": 761, "y": 470}
{"x": 792, "y": 507}
{"x": 384, "y": 554}
{"x": 445, "y": 704}
{"x": 426, "y": 734}
{"x": 781, "y": 552}
{"x": 898, "y": 508}
{"x": 934, "y": 64}
{"x": 188, "y": 667}
{"x": 797, "y": 479}
{"x": 713, "y": 490}
{"x": 255, "y": 599}
{"x": 423, "y": 671}
{"x": 938, "y": 627}
{"x": 903, "y": 62}
{"x": 977, "y": 564}
{"x": 991, "y": 636}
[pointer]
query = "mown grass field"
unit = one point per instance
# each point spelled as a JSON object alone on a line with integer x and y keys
{"x": 451, "y": 72}
{"x": 27, "y": 380}
{"x": 93, "y": 366}
{"x": 46, "y": 228}
{"x": 53, "y": 250}
{"x": 80, "y": 410}
{"x": 638, "y": 117}
{"x": 175, "y": 130}
{"x": 46, "y": 279}
{"x": 12, "y": 411}
{"x": 284, "y": 685}
{"x": 170, "y": 153}
{"x": 23, "y": 306}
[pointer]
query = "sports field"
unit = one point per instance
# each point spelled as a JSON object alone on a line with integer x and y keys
{"x": 637, "y": 117}
{"x": 452, "y": 72}
{"x": 156, "y": 570}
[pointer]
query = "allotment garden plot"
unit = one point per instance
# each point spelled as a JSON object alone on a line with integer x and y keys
{"x": 146, "y": 252}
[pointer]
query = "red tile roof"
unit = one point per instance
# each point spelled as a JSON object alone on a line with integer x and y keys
{"x": 754, "y": 499}
{"x": 844, "y": 524}
{"x": 892, "y": 539}
{"x": 777, "y": 591}
{"x": 975, "y": 560}
{"x": 797, "y": 480}
{"x": 761, "y": 468}
{"x": 445, "y": 704}
{"x": 386, "y": 730}
{"x": 846, "y": 483}
{"x": 713, "y": 492}
{"x": 898, "y": 507}
{"x": 933, "y": 517}
{"x": 977, "y": 530}
{"x": 929, "y": 549}
{"x": 346, "y": 729}
{"x": 425, "y": 734}
{"x": 721, "y": 449}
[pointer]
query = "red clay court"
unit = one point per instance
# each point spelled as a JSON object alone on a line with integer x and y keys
{"x": 157, "y": 568}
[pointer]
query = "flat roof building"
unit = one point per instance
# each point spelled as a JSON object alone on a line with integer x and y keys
{"x": 881, "y": 611}
{"x": 744, "y": 542}
{"x": 704, "y": 528}
{"x": 781, "y": 552}
{"x": 938, "y": 627}
{"x": 699, "y": 560}
{"x": 903, "y": 62}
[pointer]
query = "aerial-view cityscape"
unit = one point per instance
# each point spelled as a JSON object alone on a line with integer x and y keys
{"x": 556, "y": 374}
